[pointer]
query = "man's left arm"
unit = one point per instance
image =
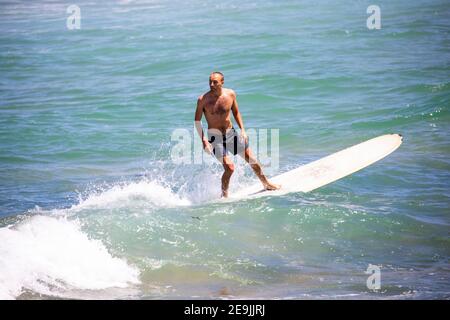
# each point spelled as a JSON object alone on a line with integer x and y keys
{"x": 238, "y": 117}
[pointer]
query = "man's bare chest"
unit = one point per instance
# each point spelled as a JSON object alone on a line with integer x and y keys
{"x": 218, "y": 107}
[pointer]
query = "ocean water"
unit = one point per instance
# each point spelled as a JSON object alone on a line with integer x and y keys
{"x": 93, "y": 207}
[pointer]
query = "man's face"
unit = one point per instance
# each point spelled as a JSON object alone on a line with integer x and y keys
{"x": 215, "y": 82}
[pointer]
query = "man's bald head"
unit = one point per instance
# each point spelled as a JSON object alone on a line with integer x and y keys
{"x": 217, "y": 73}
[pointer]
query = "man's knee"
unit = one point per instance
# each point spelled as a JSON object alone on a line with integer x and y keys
{"x": 229, "y": 168}
{"x": 251, "y": 160}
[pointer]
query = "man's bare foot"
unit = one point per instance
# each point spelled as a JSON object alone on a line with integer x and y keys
{"x": 271, "y": 186}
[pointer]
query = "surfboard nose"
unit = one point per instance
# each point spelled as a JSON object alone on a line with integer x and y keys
{"x": 398, "y": 134}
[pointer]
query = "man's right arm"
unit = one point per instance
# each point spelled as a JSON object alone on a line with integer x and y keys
{"x": 198, "y": 124}
{"x": 198, "y": 118}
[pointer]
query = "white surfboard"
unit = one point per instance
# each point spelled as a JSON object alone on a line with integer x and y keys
{"x": 326, "y": 170}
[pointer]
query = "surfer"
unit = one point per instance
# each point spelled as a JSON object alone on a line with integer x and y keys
{"x": 217, "y": 105}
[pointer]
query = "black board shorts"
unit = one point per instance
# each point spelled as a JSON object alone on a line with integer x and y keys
{"x": 231, "y": 142}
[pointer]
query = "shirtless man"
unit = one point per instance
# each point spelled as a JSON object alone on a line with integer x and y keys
{"x": 217, "y": 105}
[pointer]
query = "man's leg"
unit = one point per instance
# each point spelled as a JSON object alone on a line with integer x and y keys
{"x": 228, "y": 166}
{"x": 216, "y": 138}
{"x": 256, "y": 166}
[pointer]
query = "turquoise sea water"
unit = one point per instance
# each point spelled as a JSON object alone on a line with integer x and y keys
{"x": 92, "y": 206}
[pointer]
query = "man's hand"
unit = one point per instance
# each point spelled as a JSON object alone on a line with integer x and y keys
{"x": 207, "y": 146}
{"x": 244, "y": 136}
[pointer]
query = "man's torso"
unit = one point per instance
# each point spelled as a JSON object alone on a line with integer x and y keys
{"x": 218, "y": 109}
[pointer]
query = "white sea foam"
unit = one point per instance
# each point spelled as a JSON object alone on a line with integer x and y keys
{"x": 51, "y": 255}
{"x": 122, "y": 195}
